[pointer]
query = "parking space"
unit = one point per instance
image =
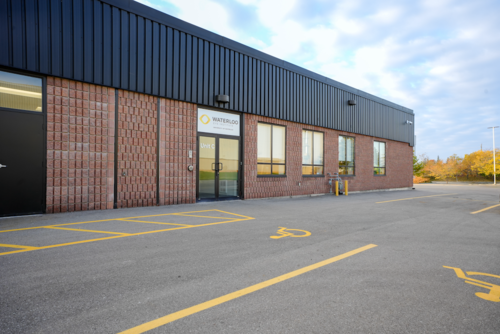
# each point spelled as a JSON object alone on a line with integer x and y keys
{"x": 391, "y": 262}
{"x": 51, "y": 236}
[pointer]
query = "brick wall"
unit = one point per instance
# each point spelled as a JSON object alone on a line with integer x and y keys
{"x": 178, "y": 137}
{"x": 137, "y": 140}
{"x": 80, "y": 135}
{"x": 398, "y": 163}
{"x": 81, "y": 144}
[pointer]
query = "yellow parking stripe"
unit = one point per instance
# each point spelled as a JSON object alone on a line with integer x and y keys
{"x": 81, "y": 230}
{"x": 215, "y": 217}
{"x": 17, "y": 246}
{"x": 491, "y": 207}
{"x": 119, "y": 234}
{"x": 234, "y": 214}
{"x": 145, "y": 221}
{"x": 405, "y": 199}
{"x": 217, "y": 301}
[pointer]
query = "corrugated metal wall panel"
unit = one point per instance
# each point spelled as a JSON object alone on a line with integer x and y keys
{"x": 97, "y": 42}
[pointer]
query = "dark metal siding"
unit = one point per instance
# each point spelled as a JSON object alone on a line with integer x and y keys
{"x": 123, "y": 44}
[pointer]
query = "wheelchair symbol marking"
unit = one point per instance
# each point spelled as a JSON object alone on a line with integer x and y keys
{"x": 492, "y": 296}
{"x": 284, "y": 232}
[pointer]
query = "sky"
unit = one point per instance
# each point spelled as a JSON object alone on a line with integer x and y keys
{"x": 440, "y": 58}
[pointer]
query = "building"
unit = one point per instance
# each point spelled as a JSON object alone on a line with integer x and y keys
{"x": 109, "y": 104}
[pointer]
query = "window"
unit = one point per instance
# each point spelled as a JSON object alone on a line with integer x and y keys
{"x": 346, "y": 155}
{"x": 20, "y": 92}
{"x": 378, "y": 158}
{"x": 312, "y": 153}
{"x": 271, "y": 151}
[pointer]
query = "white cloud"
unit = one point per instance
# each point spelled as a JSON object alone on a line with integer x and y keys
{"x": 440, "y": 58}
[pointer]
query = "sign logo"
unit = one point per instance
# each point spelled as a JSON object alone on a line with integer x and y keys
{"x": 205, "y": 119}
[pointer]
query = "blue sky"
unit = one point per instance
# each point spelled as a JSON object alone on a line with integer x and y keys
{"x": 440, "y": 58}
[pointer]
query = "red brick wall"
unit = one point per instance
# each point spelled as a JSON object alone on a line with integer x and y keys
{"x": 398, "y": 162}
{"x": 137, "y": 137}
{"x": 80, "y": 152}
{"x": 178, "y": 136}
{"x": 80, "y": 135}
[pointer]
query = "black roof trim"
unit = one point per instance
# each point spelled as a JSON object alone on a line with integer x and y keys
{"x": 173, "y": 22}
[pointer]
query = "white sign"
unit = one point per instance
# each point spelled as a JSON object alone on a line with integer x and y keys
{"x": 218, "y": 122}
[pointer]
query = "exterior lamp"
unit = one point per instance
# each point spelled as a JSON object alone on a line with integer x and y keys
{"x": 222, "y": 98}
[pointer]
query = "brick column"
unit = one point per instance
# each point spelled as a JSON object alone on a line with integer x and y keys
{"x": 80, "y": 136}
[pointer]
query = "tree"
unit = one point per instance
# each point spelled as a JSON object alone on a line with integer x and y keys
{"x": 418, "y": 166}
{"x": 453, "y": 166}
{"x": 435, "y": 169}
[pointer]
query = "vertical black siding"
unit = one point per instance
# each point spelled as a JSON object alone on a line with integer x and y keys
{"x": 97, "y": 42}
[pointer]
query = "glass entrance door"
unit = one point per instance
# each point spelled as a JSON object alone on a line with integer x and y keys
{"x": 218, "y": 168}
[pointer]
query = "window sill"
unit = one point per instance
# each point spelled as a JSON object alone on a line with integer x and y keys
{"x": 379, "y": 174}
{"x": 313, "y": 175}
{"x": 265, "y": 175}
{"x": 343, "y": 175}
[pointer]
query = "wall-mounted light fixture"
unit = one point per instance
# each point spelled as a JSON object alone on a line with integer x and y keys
{"x": 222, "y": 98}
{"x": 351, "y": 102}
{"x": 408, "y": 122}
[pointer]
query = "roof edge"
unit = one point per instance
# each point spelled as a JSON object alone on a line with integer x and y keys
{"x": 173, "y": 22}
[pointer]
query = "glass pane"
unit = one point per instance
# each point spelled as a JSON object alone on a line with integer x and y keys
{"x": 307, "y": 147}
{"x": 278, "y": 169}
{"x": 342, "y": 170}
{"x": 350, "y": 170}
{"x": 376, "y": 153}
{"x": 382, "y": 155}
{"x": 278, "y": 144}
{"x": 264, "y": 143}
{"x": 20, "y": 92}
{"x": 341, "y": 148}
{"x": 263, "y": 169}
{"x": 206, "y": 175}
{"x": 229, "y": 167}
{"x": 376, "y": 171}
{"x": 318, "y": 148}
{"x": 382, "y": 171}
{"x": 349, "y": 149}
{"x": 318, "y": 170}
{"x": 307, "y": 170}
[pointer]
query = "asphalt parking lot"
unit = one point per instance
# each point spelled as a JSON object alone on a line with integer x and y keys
{"x": 420, "y": 261}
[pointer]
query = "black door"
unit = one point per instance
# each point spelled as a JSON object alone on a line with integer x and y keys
{"x": 218, "y": 167}
{"x": 22, "y": 185}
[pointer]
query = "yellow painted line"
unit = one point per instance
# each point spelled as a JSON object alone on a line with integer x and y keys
{"x": 81, "y": 230}
{"x": 17, "y": 246}
{"x": 491, "y": 207}
{"x": 145, "y": 221}
{"x": 229, "y": 213}
{"x": 224, "y": 222}
{"x": 166, "y": 214}
{"x": 66, "y": 224}
{"x": 214, "y": 217}
{"x": 169, "y": 229}
{"x": 16, "y": 251}
{"x": 405, "y": 199}
{"x": 217, "y": 301}
{"x": 120, "y": 235}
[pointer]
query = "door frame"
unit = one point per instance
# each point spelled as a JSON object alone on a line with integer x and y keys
{"x": 240, "y": 169}
{"x": 44, "y": 129}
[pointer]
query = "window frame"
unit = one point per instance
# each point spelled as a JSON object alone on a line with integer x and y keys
{"x": 353, "y": 155}
{"x": 385, "y": 159}
{"x": 44, "y": 91}
{"x": 271, "y": 163}
{"x": 312, "y": 154}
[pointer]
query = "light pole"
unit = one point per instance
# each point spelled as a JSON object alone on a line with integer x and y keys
{"x": 494, "y": 163}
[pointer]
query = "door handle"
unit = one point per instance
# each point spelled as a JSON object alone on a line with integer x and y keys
{"x": 221, "y": 166}
{"x": 213, "y": 163}
{"x": 3, "y": 166}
